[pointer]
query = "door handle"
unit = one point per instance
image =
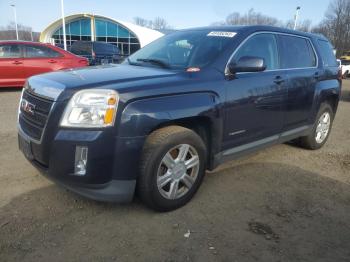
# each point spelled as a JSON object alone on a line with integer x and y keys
{"x": 52, "y": 61}
{"x": 279, "y": 80}
{"x": 17, "y": 63}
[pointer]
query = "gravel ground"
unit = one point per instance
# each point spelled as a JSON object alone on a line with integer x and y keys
{"x": 281, "y": 204}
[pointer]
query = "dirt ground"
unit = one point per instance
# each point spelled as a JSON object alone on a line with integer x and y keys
{"x": 281, "y": 204}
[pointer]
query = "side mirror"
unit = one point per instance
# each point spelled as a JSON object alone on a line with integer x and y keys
{"x": 247, "y": 64}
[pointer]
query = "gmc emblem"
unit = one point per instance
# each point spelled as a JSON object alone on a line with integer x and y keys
{"x": 27, "y": 107}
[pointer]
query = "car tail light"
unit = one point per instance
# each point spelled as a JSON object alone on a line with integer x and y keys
{"x": 84, "y": 62}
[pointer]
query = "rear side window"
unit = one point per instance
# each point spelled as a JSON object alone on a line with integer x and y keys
{"x": 34, "y": 51}
{"x": 327, "y": 54}
{"x": 263, "y": 46}
{"x": 82, "y": 48}
{"x": 104, "y": 48}
{"x": 296, "y": 52}
{"x": 10, "y": 51}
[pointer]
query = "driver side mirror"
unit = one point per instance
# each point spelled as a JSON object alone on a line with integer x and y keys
{"x": 247, "y": 64}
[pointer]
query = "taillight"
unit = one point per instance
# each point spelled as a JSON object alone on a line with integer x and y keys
{"x": 84, "y": 62}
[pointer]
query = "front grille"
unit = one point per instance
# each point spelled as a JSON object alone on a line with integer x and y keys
{"x": 33, "y": 124}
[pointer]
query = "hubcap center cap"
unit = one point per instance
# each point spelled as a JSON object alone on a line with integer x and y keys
{"x": 179, "y": 170}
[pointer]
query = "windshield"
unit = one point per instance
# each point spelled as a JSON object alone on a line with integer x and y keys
{"x": 181, "y": 50}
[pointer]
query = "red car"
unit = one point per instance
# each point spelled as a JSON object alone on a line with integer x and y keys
{"x": 20, "y": 60}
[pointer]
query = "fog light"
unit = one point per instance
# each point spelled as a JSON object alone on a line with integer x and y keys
{"x": 81, "y": 153}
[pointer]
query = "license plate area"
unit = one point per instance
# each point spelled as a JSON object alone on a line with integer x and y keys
{"x": 25, "y": 147}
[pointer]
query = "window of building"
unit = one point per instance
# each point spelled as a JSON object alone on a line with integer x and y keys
{"x": 106, "y": 31}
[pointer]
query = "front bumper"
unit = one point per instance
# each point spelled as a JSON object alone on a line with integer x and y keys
{"x": 111, "y": 170}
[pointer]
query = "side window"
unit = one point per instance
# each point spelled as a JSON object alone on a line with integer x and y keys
{"x": 296, "y": 52}
{"x": 40, "y": 51}
{"x": 327, "y": 53}
{"x": 10, "y": 51}
{"x": 263, "y": 46}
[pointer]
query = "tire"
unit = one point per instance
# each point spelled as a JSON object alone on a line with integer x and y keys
{"x": 311, "y": 141}
{"x": 159, "y": 145}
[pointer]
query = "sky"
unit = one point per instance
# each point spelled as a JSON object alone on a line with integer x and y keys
{"x": 178, "y": 13}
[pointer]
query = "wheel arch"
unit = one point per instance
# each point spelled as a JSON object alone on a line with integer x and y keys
{"x": 197, "y": 111}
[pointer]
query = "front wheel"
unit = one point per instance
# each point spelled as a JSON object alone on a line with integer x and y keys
{"x": 172, "y": 168}
{"x": 321, "y": 129}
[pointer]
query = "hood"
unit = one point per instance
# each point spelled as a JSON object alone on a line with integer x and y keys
{"x": 51, "y": 85}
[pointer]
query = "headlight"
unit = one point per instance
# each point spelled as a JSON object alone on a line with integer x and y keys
{"x": 91, "y": 108}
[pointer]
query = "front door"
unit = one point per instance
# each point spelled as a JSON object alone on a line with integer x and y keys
{"x": 255, "y": 101}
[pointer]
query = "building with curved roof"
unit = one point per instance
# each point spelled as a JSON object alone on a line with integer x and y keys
{"x": 87, "y": 27}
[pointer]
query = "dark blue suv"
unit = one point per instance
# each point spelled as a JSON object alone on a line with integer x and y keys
{"x": 181, "y": 105}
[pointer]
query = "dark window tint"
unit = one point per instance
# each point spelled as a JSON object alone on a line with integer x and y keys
{"x": 327, "y": 53}
{"x": 296, "y": 52}
{"x": 10, "y": 51}
{"x": 82, "y": 48}
{"x": 40, "y": 51}
{"x": 263, "y": 46}
{"x": 104, "y": 48}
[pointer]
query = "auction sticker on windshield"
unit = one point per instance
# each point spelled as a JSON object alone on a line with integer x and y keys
{"x": 222, "y": 34}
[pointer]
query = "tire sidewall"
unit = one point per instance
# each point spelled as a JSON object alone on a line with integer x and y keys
{"x": 151, "y": 169}
{"x": 323, "y": 108}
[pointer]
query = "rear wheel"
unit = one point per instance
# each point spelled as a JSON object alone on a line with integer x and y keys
{"x": 321, "y": 129}
{"x": 172, "y": 168}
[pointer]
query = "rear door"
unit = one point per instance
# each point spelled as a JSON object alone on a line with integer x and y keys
{"x": 11, "y": 65}
{"x": 299, "y": 60}
{"x": 40, "y": 59}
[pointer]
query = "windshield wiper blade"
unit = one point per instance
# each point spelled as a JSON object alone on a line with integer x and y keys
{"x": 154, "y": 61}
{"x": 132, "y": 63}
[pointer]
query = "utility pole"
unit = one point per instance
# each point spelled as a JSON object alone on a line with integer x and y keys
{"x": 63, "y": 26}
{"x": 15, "y": 13}
{"x": 296, "y": 16}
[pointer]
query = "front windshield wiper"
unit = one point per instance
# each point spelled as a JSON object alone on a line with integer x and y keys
{"x": 154, "y": 61}
{"x": 132, "y": 63}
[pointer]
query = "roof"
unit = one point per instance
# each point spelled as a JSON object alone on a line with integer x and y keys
{"x": 144, "y": 35}
{"x": 256, "y": 28}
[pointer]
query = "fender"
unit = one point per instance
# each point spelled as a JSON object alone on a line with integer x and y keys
{"x": 327, "y": 90}
{"x": 141, "y": 117}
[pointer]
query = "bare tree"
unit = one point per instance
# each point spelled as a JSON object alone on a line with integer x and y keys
{"x": 160, "y": 23}
{"x": 336, "y": 25}
{"x": 249, "y": 18}
{"x": 141, "y": 21}
{"x": 157, "y": 23}
{"x": 303, "y": 25}
{"x": 24, "y": 32}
